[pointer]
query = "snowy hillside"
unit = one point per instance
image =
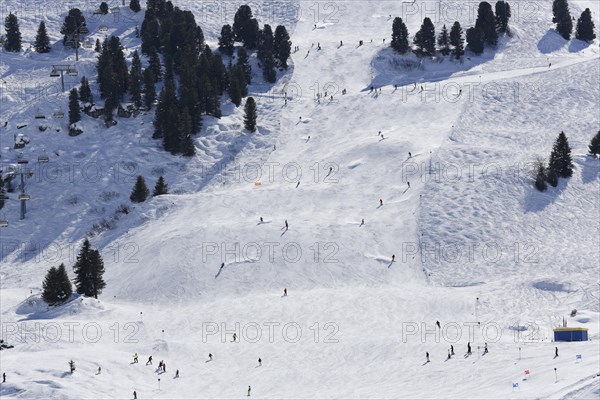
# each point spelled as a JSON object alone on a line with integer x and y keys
{"x": 475, "y": 246}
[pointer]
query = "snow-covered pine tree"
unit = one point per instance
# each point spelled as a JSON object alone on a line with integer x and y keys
{"x": 161, "y": 187}
{"x": 562, "y": 18}
{"x": 56, "y": 288}
{"x": 400, "y": 36}
{"x": 12, "y": 41}
{"x": 585, "y": 27}
{"x": 42, "y": 41}
{"x": 140, "y": 191}
{"x": 250, "y": 114}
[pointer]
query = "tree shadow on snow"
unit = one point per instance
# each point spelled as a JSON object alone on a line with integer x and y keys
{"x": 395, "y": 69}
{"x": 577, "y": 45}
{"x": 590, "y": 171}
{"x": 551, "y": 42}
{"x": 536, "y": 201}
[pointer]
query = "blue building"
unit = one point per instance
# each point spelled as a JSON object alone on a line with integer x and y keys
{"x": 570, "y": 334}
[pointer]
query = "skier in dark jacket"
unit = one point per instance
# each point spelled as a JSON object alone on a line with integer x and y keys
{"x": 427, "y": 356}
{"x": 149, "y": 360}
{"x": 468, "y": 347}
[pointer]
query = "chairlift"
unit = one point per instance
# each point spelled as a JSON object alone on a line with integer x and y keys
{"x": 21, "y": 160}
{"x": 72, "y": 72}
{"x": 24, "y": 197}
{"x": 54, "y": 73}
{"x": 58, "y": 114}
{"x": 3, "y": 221}
{"x": 39, "y": 115}
{"x": 103, "y": 28}
{"x": 43, "y": 158}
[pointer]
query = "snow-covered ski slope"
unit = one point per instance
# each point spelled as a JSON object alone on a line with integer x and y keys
{"x": 526, "y": 259}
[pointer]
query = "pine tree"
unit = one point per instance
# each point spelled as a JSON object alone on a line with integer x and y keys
{"x": 560, "y": 158}
{"x": 74, "y": 111}
{"x": 149, "y": 89}
{"x": 89, "y": 269}
{"x": 85, "y": 93}
{"x": 57, "y": 287}
{"x": 551, "y": 177}
{"x": 265, "y": 42}
{"x": 252, "y": 32}
{"x": 502, "y": 16}
{"x": 457, "y": 41}
{"x": 250, "y": 114}
{"x": 98, "y": 46}
{"x": 486, "y": 22}
{"x": 73, "y": 22}
{"x": 562, "y": 18}
{"x": 154, "y": 64}
{"x": 400, "y": 36}
{"x": 12, "y": 41}
{"x": 140, "y": 191}
{"x": 42, "y": 41}
{"x": 282, "y": 46}
{"x": 161, "y": 187}
{"x": 185, "y": 134}
{"x": 585, "y": 27}
{"x": 226, "y": 40}
{"x": 135, "y": 80}
{"x": 241, "y": 20}
{"x": 540, "y": 176}
{"x": 594, "y": 147}
{"x": 269, "y": 73}
{"x": 235, "y": 90}
{"x": 104, "y": 8}
{"x": 475, "y": 40}
{"x": 242, "y": 61}
{"x": 444, "y": 41}
{"x": 425, "y": 39}
{"x": 134, "y": 5}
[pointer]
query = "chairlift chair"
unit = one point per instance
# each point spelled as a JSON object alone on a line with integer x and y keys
{"x": 58, "y": 114}
{"x": 21, "y": 160}
{"x": 103, "y": 28}
{"x": 39, "y": 115}
{"x": 3, "y": 221}
{"x": 54, "y": 73}
{"x": 24, "y": 196}
{"x": 72, "y": 72}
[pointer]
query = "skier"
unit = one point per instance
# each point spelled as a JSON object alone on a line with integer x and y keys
{"x": 485, "y": 349}
{"x": 149, "y": 360}
{"x": 274, "y": 147}
{"x": 380, "y": 202}
{"x": 436, "y": 322}
{"x": 452, "y": 349}
{"x": 449, "y": 356}
{"x": 164, "y": 367}
{"x": 261, "y": 220}
{"x": 134, "y": 395}
{"x": 160, "y": 364}
{"x": 379, "y": 133}
{"x": 362, "y": 222}
{"x": 249, "y": 388}
{"x": 331, "y": 98}
{"x": 99, "y": 370}
{"x": 330, "y": 169}
{"x": 468, "y": 347}
{"x": 408, "y": 183}
{"x": 223, "y": 264}
{"x": 383, "y": 40}
{"x": 298, "y": 184}
{"x": 234, "y": 337}
{"x": 555, "y": 352}
{"x": 427, "y": 356}
{"x": 393, "y": 257}
{"x": 177, "y": 374}
{"x": 286, "y": 225}
{"x": 135, "y": 358}
{"x": 4, "y": 377}
{"x": 285, "y": 291}
{"x": 259, "y": 362}
{"x": 210, "y": 356}
{"x": 409, "y": 155}
{"x": 341, "y": 43}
